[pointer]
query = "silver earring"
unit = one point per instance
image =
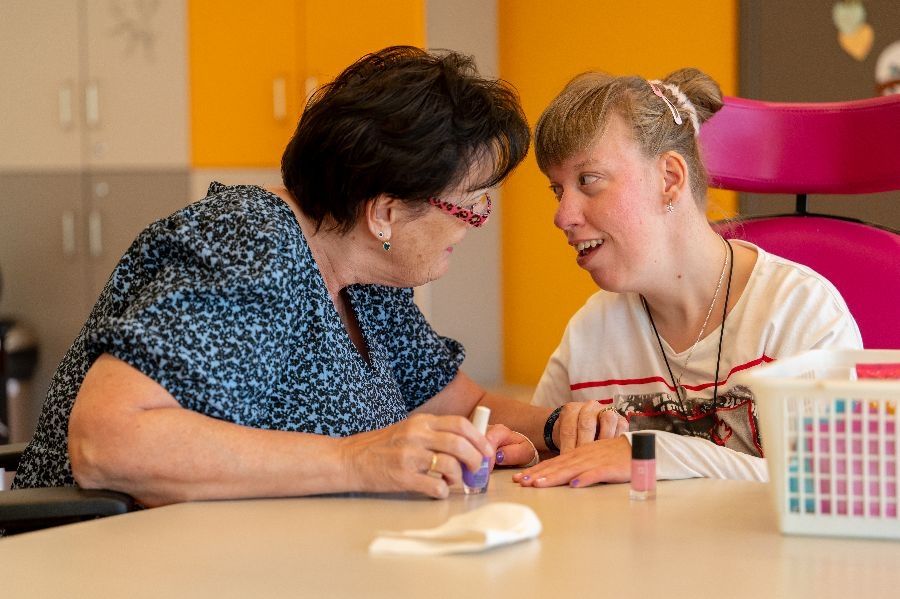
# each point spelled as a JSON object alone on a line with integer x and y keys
{"x": 381, "y": 233}
{"x": 386, "y": 245}
{"x": 670, "y": 207}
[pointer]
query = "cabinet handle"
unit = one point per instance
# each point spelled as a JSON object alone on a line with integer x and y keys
{"x": 68, "y": 233}
{"x": 92, "y": 104}
{"x": 95, "y": 233}
{"x": 312, "y": 83}
{"x": 279, "y": 98}
{"x": 65, "y": 106}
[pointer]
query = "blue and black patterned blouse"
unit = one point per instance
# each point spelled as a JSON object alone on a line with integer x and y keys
{"x": 223, "y": 305}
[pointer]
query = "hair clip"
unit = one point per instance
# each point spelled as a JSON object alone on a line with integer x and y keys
{"x": 675, "y": 114}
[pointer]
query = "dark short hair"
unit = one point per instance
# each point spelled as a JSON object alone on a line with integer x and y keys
{"x": 402, "y": 122}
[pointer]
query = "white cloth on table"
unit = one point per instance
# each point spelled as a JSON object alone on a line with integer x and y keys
{"x": 488, "y": 526}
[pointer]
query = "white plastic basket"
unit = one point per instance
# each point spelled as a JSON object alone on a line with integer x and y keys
{"x": 831, "y": 441}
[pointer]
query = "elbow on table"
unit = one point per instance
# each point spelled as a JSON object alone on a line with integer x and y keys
{"x": 99, "y": 466}
{"x": 100, "y": 456}
{"x": 91, "y": 463}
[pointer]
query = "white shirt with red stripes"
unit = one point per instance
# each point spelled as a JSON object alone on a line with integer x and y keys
{"x": 610, "y": 354}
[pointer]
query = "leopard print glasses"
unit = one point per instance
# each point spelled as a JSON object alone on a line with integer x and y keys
{"x": 474, "y": 214}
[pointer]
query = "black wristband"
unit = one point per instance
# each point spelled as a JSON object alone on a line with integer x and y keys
{"x": 548, "y": 429}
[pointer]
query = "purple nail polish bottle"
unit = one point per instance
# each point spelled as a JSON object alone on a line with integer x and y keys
{"x": 475, "y": 483}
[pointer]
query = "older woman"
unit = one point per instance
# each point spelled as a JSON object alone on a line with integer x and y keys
{"x": 264, "y": 342}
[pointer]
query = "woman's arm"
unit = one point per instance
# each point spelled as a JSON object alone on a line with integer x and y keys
{"x": 463, "y": 394}
{"x": 677, "y": 456}
{"x": 579, "y": 423}
{"x": 127, "y": 433}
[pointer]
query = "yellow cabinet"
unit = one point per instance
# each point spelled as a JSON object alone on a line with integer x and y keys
{"x": 252, "y": 66}
{"x": 338, "y": 33}
{"x": 243, "y": 62}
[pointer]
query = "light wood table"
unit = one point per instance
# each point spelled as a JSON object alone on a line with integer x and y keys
{"x": 700, "y": 538}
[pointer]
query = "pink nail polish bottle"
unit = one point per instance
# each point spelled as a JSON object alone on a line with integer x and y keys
{"x": 643, "y": 466}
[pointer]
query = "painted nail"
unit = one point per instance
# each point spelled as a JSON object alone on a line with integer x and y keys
{"x": 541, "y": 480}
{"x": 526, "y": 477}
{"x": 500, "y": 455}
{"x": 574, "y": 483}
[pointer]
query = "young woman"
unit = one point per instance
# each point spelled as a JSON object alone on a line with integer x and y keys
{"x": 681, "y": 310}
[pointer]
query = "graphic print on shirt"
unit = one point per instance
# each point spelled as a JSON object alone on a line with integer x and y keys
{"x": 732, "y": 424}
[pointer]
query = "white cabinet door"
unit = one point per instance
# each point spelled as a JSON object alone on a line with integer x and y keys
{"x": 136, "y": 84}
{"x": 39, "y": 87}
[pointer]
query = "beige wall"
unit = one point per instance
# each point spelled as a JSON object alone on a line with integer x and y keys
{"x": 466, "y": 303}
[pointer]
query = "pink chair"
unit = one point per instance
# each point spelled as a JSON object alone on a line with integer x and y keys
{"x": 824, "y": 148}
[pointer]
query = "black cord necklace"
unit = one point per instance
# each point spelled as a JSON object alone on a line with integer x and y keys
{"x": 679, "y": 390}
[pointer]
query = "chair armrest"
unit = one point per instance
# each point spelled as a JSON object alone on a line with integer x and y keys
{"x": 10, "y": 455}
{"x": 22, "y": 510}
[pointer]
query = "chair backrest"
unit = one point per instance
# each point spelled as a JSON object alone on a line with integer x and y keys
{"x": 803, "y": 148}
{"x": 859, "y": 259}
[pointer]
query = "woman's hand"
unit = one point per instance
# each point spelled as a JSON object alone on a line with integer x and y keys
{"x": 512, "y": 448}
{"x": 421, "y": 454}
{"x": 583, "y": 422}
{"x": 606, "y": 461}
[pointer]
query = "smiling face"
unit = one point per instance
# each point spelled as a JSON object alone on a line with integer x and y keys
{"x": 611, "y": 209}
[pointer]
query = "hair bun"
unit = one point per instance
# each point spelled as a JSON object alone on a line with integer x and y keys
{"x": 703, "y": 92}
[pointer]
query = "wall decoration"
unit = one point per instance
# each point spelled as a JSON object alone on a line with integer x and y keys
{"x": 887, "y": 70}
{"x": 133, "y": 23}
{"x": 854, "y": 35}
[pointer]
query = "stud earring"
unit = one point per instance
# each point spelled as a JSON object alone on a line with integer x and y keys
{"x": 386, "y": 245}
{"x": 670, "y": 207}
{"x": 381, "y": 233}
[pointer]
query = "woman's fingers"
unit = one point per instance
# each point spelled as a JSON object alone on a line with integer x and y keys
{"x": 582, "y": 422}
{"x": 460, "y": 426}
{"x": 433, "y": 486}
{"x": 444, "y": 442}
{"x": 622, "y": 426}
{"x": 607, "y": 460}
{"x": 609, "y": 424}
{"x": 422, "y": 454}
{"x": 587, "y": 422}
{"x": 513, "y": 448}
{"x": 443, "y": 466}
{"x": 457, "y": 447}
{"x": 577, "y": 424}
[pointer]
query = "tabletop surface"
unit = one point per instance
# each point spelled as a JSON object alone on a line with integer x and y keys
{"x": 699, "y": 538}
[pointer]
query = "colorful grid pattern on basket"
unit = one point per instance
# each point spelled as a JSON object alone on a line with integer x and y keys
{"x": 842, "y": 458}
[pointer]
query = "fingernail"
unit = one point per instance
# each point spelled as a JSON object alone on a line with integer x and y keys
{"x": 500, "y": 456}
{"x": 574, "y": 483}
{"x": 526, "y": 477}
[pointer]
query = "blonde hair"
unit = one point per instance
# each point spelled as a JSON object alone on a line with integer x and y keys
{"x": 579, "y": 115}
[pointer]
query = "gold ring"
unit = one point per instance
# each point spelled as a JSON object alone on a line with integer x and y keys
{"x": 433, "y": 468}
{"x": 608, "y": 409}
